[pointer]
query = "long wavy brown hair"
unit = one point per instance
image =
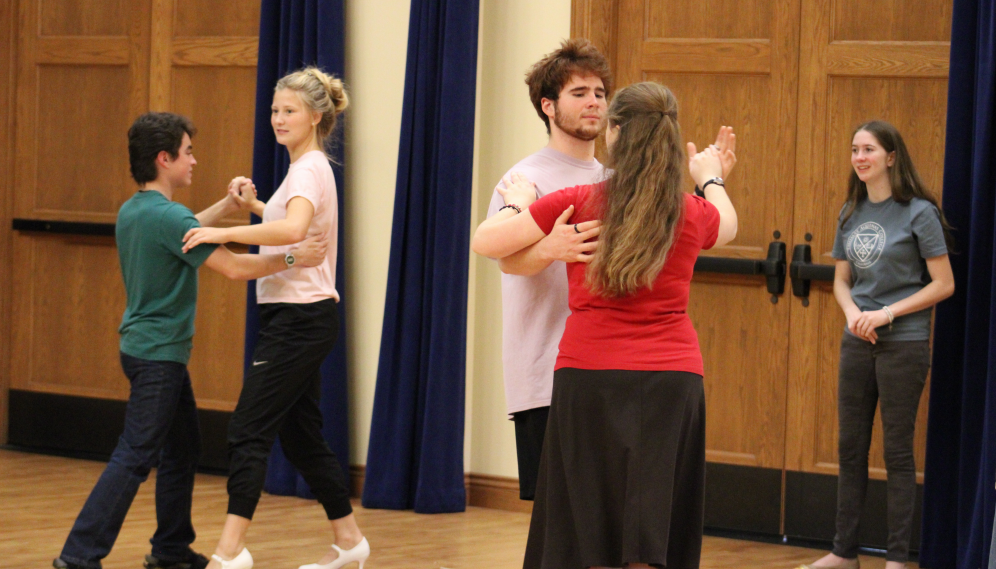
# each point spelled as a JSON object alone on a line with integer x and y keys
{"x": 904, "y": 180}
{"x": 642, "y": 203}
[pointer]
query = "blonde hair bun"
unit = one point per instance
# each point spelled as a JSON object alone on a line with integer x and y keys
{"x": 321, "y": 93}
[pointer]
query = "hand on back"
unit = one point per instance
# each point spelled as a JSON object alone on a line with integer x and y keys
{"x": 518, "y": 190}
{"x": 312, "y": 251}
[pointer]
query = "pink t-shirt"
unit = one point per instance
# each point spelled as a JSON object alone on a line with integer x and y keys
{"x": 534, "y": 308}
{"x": 309, "y": 177}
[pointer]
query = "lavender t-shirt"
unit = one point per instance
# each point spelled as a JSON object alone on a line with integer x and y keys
{"x": 534, "y": 308}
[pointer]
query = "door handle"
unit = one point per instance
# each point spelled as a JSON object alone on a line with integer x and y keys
{"x": 773, "y": 267}
{"x": 803, "y": 271}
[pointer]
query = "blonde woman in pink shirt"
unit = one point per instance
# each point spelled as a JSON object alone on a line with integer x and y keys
{"x": 299, "y": 325}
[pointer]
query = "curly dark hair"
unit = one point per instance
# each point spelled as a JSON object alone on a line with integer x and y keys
{"x": 151, "y": 134}
{"x": 548, "y": 76}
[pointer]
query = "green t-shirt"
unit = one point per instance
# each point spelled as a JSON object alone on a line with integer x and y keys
{"x": 160, "y": 279}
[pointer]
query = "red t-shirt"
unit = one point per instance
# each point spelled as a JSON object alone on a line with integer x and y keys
{"x": 649, "y": 330}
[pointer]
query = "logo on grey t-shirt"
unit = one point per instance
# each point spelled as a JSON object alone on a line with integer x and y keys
{"x": 865, "y": 244}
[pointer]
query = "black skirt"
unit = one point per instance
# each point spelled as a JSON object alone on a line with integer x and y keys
{"x": 622, "y": 477}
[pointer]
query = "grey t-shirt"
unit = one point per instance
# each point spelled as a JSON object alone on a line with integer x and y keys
{"x": 534, "y": 309}
{"x": 886, "y": 245}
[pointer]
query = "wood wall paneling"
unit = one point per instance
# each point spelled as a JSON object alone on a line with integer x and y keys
{"x": 8, "y": 72}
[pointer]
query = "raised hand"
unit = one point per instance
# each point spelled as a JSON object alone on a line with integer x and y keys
{"x": 704, "y": 165}
{"x": 518, "y": 190}
{"x": 726, "y": 144}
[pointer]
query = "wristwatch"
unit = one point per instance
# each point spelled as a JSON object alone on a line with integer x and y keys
{"x": 289, "y": 259}
{"x": 717, "y": 180}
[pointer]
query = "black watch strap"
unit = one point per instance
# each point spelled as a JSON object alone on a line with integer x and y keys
{"x": 717, "y": 181}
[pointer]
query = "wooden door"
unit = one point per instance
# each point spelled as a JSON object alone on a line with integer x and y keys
{"x": 793, "y": 77}
{"x": 859, "y": 61}
{"x": 86, "y": 69}
{"x": 732, "y": 63}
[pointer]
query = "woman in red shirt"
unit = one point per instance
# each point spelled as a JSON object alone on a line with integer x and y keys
{"x": 622, "y": 475}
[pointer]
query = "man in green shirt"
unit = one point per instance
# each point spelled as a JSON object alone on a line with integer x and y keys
{"x": 161, "y": 427}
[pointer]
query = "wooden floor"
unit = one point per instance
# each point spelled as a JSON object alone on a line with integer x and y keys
{"x": 40, "y": 497}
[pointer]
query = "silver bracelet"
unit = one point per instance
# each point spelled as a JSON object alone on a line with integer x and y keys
{"x": 888, "y": 312}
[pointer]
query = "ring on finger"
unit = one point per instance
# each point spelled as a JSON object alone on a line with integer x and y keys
{"x": 576, "y": 230}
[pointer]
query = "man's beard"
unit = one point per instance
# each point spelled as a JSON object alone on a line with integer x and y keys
{"x": 578, "y": 131}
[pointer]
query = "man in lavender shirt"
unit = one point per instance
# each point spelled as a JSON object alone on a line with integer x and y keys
{"x": 569, "y": 88}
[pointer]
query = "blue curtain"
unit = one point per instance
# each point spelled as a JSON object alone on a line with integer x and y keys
{"x": 415, "y": 458}
{"x": 960, "y": 467}
{"x": 292, "y": 34}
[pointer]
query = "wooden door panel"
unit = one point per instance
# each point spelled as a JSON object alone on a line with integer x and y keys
{"x": 70, "y": 303}
{"x": 221, "y": 101}
{"x": 205, "y": 68}
{"x": 83, "y": 17}
{"x": 81, "y": 170}
{"x": 854, "y": 72}
{"x": 716, "y": 19}
{"x": 731, "y": 63}
{"x": 219, "y": 339}
{"x": 892, "y": 20}
{"x": 745, "y": 357}
{"x": 706, "y": 101}
{"x": 217, "y": 18}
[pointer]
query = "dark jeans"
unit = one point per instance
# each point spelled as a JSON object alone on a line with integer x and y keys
{"x": 160, "y": 428}
{"x": 280, "y": 395}
{"x": 891, "y": 374}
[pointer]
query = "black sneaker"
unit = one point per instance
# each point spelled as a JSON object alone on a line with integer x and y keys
{"x": 195, "y": 561}
{"x": 58, "y": 563}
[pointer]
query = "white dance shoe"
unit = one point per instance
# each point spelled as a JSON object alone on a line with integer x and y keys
{"x": 358, "y": 553}
{"x": 241, "y": 561}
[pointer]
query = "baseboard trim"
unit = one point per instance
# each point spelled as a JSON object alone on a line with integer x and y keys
{"x": 497, "y": 493}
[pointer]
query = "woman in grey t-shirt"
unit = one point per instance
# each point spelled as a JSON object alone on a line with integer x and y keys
{"x": 892, "y": 268}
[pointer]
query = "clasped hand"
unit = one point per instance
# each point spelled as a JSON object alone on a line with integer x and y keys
{"x": 863, "y": 324}
{"x": 242, "y": 192}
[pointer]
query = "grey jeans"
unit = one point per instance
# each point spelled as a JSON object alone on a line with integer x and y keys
{"x": 891, "y": 374}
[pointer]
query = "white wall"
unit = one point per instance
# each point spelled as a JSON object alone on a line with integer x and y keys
{"x": 513, "y": 35}
{"x": 376, "y": 46}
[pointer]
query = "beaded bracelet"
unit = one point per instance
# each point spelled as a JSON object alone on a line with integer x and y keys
{"x": 888, "y": 312}
{"x": 513, "y": 206}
